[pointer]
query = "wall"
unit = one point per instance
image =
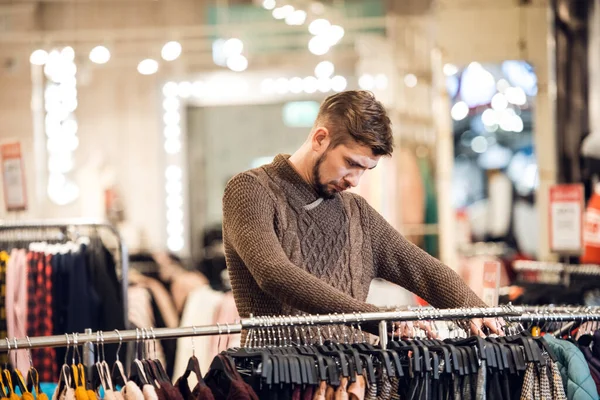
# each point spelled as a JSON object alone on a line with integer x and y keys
{"x": 119, "y": 110}
{"x": 223, "y": 141}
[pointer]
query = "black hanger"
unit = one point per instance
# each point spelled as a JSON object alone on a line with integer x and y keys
{"x": 404, "y": 347}
{"x": 338, "y": 355}
{"x": 261, "y": 355}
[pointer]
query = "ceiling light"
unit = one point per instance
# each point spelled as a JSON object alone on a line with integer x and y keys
{"x": 459, "y": 111}
{"x": 309, "y": 84}
{"x": 450, "y": 69}
{"x": 318, "y": 46}
{"x": 171, "y": 51}
{"x": 516, "y": 95}
{"x": 324, "y": 69}
{"x": 100, "y": 55}
{"x": 147, "y": 67}
{"x": 269, "y": 4}
{"x": 499, "y": 102}
{"x": 170, "y": 89}
{"x": 324, "y": 85}
{"x": 283, "y": 12}
{"x": 334, "y": 34}
{"x": 366, "y": 82}
{"x": 410, "y": 80}
{"x": 68, "y": 53}
{"x": 267, "y": 86}
{"x": 298, "y": 17}
{"x": 282, "y": 86}
{"x": 237, "y": 63}
{"x": 38, "y": 57}
{"x": 338, "y": 83}
{"x": 319, "y": 26}
{"x": 184, "y": 89}
{"x": 296, "y": 85}
{"x": 233, "y": 47}
{"x": 489, "y": 117}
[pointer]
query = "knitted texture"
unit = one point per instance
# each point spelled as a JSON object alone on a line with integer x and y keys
{"x": 285, "y": 258}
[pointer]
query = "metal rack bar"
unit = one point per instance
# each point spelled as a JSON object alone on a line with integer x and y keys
{"x": 258, "y": 322}
{"x": 88, "y": 223}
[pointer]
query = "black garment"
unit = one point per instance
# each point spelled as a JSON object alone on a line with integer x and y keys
{"x": 109, "y": 310}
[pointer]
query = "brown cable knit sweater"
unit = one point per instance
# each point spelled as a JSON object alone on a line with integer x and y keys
{"x": 288, "y": 253}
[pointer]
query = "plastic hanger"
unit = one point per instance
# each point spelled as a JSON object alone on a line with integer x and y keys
{"x": 118, "y": 372}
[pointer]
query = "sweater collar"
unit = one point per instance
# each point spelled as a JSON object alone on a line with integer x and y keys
{"x": 288, "y": 174}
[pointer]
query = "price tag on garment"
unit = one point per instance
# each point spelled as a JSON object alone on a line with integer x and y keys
{"x": 566, "y": 218}
{"x": 13, "y": 177}
{"x": 491, "y": 283}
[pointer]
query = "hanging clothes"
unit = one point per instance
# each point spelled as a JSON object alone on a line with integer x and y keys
{"x": 16, "y": 303}
{"x": 4, "y": 257}
{"x": 40, "y": 311}
{"x": 574, "y": 370}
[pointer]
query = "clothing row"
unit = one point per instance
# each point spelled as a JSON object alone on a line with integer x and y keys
{"x": 50, "y": 289}
{"x": 510, "y": 367}
{"x": 162, "y": 294}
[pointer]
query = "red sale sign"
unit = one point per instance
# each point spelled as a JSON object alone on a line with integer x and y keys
{"x": 566, "y": 218}
{"x": 13, "y": 177}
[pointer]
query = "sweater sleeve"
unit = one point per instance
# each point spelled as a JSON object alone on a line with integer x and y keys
{"x": 401, "y": 262}
{"x": 248, "y": 223}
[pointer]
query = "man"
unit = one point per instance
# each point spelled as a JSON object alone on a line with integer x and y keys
{"x": 295, "y": 241}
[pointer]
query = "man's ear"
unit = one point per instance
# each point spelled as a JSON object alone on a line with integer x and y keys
{"x": 320, "y": 139}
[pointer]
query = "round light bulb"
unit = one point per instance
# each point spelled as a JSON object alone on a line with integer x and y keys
{"x": 319, "y": 26}
{"x": 324, "y": 69}
{"x": 147, "y": 67}
{"x": 233, "y": 47}
{"x": 99, "y": 55}
{"x": 237, "y": 63}
{"x": 38, "y": 57}
{"x": 318, "y": 46}
{"x": 171, "y": 51}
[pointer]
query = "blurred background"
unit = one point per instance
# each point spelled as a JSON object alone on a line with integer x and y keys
{"x": 138, "y": 112}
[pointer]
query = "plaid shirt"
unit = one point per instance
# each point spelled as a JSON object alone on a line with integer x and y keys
{"x": 40, "y": 322}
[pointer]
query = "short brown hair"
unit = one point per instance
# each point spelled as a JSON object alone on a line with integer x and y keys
{"x": 358, "y": 115}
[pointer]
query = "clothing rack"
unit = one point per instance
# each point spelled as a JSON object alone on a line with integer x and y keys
{"x": 68, "y": 225}
{"x": 261, "y": 322}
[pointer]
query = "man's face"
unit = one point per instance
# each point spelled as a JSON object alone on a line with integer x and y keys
{"x": 340, "y": 168}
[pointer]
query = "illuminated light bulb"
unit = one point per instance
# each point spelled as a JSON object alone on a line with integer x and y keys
{"x": 318, "y": 46}
{"x": 324, "y": 69}
{"x": 99, "y": 55}
{"x": 39, "y": 57}
{"x": 147, "y": 67}
{"x": 459, "y": 111}
{"x": 319, "y": 26}
{"x": 171, "y": 51}
{"x": 339, "y": 83}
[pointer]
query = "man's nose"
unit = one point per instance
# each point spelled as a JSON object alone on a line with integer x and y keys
{"x": 353, "y": 179}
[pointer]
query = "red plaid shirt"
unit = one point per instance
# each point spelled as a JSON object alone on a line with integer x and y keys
{"x": 39, "y": 286}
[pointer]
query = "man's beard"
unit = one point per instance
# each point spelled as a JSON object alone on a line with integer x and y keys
{"x": 320, "y": 187}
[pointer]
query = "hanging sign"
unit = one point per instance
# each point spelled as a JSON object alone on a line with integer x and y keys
{"x": 491, "y": 283}
{"x": 13, "y": 177}
{"x": 566, "y": 218}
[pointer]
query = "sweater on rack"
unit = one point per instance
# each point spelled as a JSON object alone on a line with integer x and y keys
{"x": 289, "y": 251}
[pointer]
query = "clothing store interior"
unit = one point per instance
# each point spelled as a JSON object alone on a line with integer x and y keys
{"x": 124, "y": 124}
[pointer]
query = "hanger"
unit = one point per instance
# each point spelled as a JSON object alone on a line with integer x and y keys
{"x": 156, "y": 364}
{"x": 118, "y": 372}
{"x": 137, "y": 374}
{"x": 255, "y": 358}
{"x": 326, "y": 370}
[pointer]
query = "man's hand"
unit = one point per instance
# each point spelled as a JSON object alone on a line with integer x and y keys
{"x": 407, "y": 329}
{"x": 493, "y": 324}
